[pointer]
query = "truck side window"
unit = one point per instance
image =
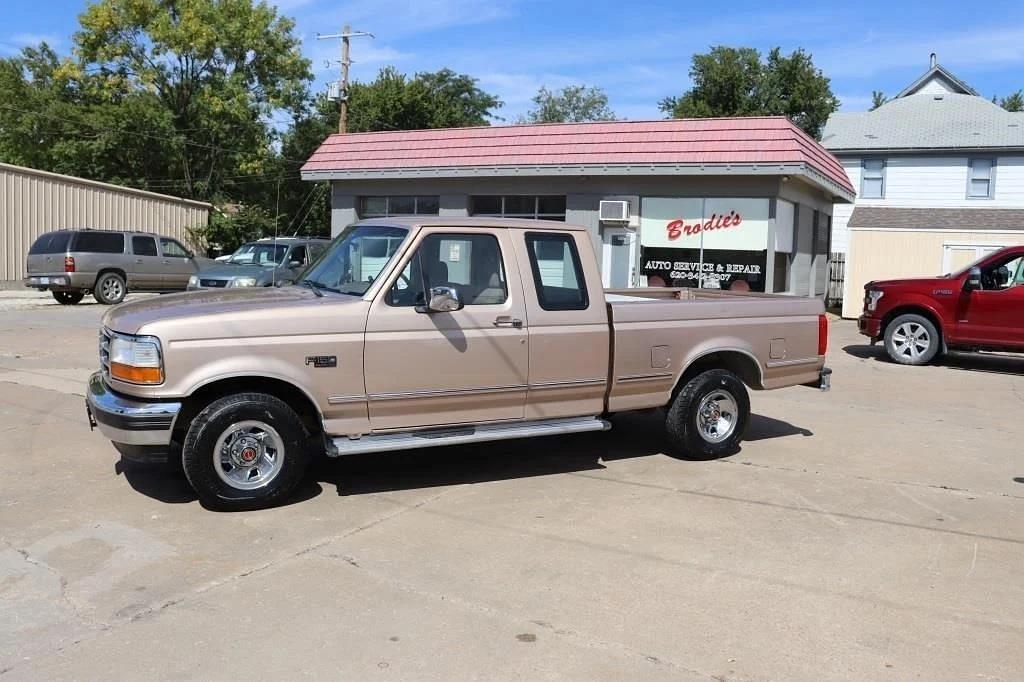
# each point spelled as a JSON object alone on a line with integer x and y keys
{"x": 469, "y": 263}
{"x": 144, "y": 246}
{"x": 173, "y": 249}
{"x": 557, "y": 273}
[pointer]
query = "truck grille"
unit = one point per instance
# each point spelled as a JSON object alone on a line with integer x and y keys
{"x": 218, "y": 283}
{"x": 105, "y": 352}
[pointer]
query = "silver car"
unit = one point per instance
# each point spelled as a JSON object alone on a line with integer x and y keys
{"x": 261, "y": 263}
{"x": 108, "y": 264}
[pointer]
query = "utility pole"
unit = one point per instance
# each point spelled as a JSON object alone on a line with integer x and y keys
{"x": 346, "y": 33}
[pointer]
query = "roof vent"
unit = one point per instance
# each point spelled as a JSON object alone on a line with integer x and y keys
{"x": 932, "y": 61}
{"x": 938, "y": 97}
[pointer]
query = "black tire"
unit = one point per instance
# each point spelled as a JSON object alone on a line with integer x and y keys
{"x": 912, "y": 340}
{"x": 226, "y": 417}
{"x": 68, "y": 297}
{"x": 689, "y": 435}
{"x": 110, "y": 288}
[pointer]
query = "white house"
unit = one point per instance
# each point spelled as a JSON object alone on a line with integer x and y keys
{"x": 939, "y": 161}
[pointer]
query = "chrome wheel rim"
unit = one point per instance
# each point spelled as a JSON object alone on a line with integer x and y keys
{"x": 717, "y": 414}
{"x": 112, "y": 288}
{"x": 249, "y": 454}
{"x": 911, "y": 340}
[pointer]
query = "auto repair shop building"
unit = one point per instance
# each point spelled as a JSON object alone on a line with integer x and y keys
{"x": 695, "y": 202}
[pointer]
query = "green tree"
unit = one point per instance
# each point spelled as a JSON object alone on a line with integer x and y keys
{"x": 571, "y": 104}
{"x": 878, "y": 98}
{"x": 730, "y": 81}
{"x": 219, "y": 68}
{"x": 1014, "y": 102}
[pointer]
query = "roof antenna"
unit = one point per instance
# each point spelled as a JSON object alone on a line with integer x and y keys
{"x": 933, "y": 61}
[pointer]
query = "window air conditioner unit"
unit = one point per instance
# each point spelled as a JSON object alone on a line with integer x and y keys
{"x": 613, "y": 211}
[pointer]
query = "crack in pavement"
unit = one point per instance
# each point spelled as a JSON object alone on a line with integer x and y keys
{"x": 790, "y": 507}
{"x": 578, "y": 638}
{"x": 870, "y": 479}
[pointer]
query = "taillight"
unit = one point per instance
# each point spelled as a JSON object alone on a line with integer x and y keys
{"x": 69, "y": 264}
{"x": 822, "y": 334}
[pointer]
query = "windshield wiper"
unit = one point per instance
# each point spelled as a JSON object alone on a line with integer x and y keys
{"x": 315, "y": 286}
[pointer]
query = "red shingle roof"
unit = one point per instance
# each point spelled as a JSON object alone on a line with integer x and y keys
{"x": 693, "y": 142}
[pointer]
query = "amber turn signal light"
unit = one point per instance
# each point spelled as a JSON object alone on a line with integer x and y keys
{"x": 135, "y": 375}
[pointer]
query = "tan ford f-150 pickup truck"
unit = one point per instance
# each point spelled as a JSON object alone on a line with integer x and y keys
{"x": 410, "y": 333}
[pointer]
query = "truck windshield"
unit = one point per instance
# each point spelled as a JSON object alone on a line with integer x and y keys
{"x": 258, "y": 254}
{"x": 355, "y": 258}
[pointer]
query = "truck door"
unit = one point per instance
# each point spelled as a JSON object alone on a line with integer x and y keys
{"x": 994, "y": 314}
{"x": 437, "y": 369}
{"x": 178, "y": 264}
{"x": 146, "y": 271}
{"x": 569, "y": 333}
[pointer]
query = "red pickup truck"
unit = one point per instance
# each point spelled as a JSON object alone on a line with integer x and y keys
{"x": 978, "y": 308}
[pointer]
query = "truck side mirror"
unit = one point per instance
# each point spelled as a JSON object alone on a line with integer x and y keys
{"x": 973, "y": 281}
{"x": 442, "y": 300}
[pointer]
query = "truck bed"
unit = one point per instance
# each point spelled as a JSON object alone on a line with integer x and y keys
{"x": 656, "y": 332}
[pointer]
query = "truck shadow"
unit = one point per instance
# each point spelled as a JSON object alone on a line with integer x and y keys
{"x": 972, "y": 362}
{"x": 633, "y": 436}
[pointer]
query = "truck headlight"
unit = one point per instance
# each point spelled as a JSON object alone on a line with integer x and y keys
{"x": 872, "y": 299}
{"x": 136, "y": 359}
{"x": 193, "y": 282}
{"x": 243, "y": 282}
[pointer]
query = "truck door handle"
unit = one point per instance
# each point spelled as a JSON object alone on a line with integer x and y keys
{"x": 138, "y": 260}
{"x": 508, "y": 321}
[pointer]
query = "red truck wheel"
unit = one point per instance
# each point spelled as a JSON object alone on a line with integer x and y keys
{"x": 912, "y": 340}
{"x": 709, "y": 416}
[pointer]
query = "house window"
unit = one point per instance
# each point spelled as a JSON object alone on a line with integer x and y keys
{"x": 872, "y": 180}
{"x": 533, "y": 207}
{"x": 981, "y": 178}
{"x": 383, "y": 207}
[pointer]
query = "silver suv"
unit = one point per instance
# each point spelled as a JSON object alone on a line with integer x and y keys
{"x": 108, "y": 264}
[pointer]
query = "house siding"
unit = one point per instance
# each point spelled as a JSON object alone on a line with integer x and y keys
{"x": 930, "y": 182}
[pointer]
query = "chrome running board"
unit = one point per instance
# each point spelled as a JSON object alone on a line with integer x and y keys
{"x": 458, "y": 435}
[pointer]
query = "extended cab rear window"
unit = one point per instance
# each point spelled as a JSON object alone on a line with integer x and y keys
{"x": 51, "y": 242}
{"x": 98, "y": 242}
{"x": 557, "y": 273}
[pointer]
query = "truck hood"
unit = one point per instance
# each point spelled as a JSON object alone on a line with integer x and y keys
{"x": 924, "y": 283}
{"x": 221, "y": 314}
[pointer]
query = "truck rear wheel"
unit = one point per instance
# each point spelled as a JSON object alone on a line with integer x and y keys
{"x": 912, "y": 340}
{"x": 245, "y": 451}
{"x": 709, "y": 416}
{"x": 110, "y": 288}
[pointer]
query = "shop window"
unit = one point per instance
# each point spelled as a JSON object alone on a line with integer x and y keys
{"x": 981, "y": 179}
{"x": 547, "y": 207}
{"x": 781, "y": 274}
{"x": 872, "y": 181}
{"x": 383, "y": 207}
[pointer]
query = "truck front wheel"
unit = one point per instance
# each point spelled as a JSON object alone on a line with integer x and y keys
{"x": 912, "y": 340}
{"x": 245, "y": 451}
{"x": 708, "y": 417}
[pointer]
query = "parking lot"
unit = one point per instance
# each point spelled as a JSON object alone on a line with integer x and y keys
{"x": 873, "y": 532}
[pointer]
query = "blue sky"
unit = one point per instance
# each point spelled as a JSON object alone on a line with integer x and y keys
{"x": 638, "y": 52}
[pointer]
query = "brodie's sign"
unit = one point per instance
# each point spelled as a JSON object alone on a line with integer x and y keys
{"x": 732, "y": 223}
{"x": 678, "y": 227}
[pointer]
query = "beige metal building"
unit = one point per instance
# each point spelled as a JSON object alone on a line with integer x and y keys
{"x": 33, "y": 202}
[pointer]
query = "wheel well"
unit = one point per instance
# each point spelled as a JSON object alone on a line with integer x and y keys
{"x": 117, "y": 271}
{"x": 910, "y": 310}
{"x": 740, "y": 364}
{"x": 288, "y": 393}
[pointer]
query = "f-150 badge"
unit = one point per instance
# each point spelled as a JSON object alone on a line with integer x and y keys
{"x": 322, "y": 360}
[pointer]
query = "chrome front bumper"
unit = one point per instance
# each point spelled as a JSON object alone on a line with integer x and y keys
{"x": 126, "y": 421}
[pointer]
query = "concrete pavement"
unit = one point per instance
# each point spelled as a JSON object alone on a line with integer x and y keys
{"x": 874, "y": 532}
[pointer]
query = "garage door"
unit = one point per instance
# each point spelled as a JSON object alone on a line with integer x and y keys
{"x": 955, "y": 257}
